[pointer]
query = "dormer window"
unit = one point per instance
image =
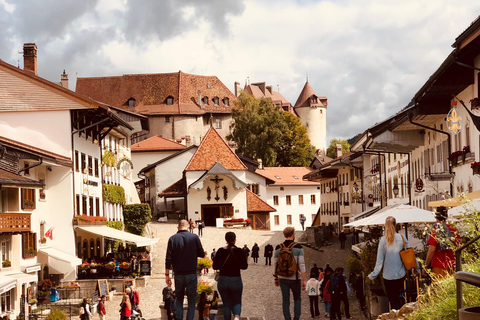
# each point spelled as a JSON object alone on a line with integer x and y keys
{"x": 131, "y": 103}
{"x": 226, "y": 102}
{"x": 313, "y": 100}
{"x": 169, "y": 101}
{"x": 205, "y": 100}
{"x": 216, "y": 101}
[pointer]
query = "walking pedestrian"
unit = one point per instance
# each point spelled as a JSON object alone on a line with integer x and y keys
{"x": 443, "y": 238}
{"x": 191, "y": 225}
{"x": 183, "y": 249}
{"x": 326, "y": 296}
{"x": 313, "y": 291}
{"x": 268, "y": 254}
{"x": 302, "y": 221}
{"x": 212, "y": 255}
{"x": 169, "y": 300}
{"x": 342, "y": 237}
{"x": 134, "y": 297}
{"x": 246, "y": 252}
{"x": 315, "y": 270}
{"x": 344, "y": 295}
{"x": 359, "y": 287}
{"x": 337, "y": 288}
{"x": 388, "y": 258}
{"x": 125, "y": 308}
{"x": 200, "y": 228}
{"x": 101, "y": 308}
{"x": 86, "y": 310}
{"x": 289, "y": 261}
{"x": 229, "y": 260}
{"x": 255, "y": 250}
{"x": 205, "y": 270}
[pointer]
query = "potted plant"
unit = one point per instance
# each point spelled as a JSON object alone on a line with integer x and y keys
{"x": 47, "y": 284}
{"x": 6, "y": 264}
{"x": 203, "y": 263}
{"x": 28, "y": 204}
{"x": 204, "y": 287}
{"x": 43, "y": 296}
{"x": 30, "y": 251}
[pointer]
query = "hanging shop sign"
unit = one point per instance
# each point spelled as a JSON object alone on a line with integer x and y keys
{"x": 454, "y": 121}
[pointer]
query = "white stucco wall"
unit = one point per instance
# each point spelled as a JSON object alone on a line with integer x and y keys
{"x": 142, "y": 159}
{"x": 315, "y": 119}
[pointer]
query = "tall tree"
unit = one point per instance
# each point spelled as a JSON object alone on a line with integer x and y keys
{"x": 331, "y": 150}
{"x": 264, "y": 131}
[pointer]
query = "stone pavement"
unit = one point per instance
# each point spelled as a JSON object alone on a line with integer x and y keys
{"x": 261, "y": 299}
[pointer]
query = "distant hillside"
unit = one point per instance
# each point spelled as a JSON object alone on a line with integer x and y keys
{"x": 352, "y": 140}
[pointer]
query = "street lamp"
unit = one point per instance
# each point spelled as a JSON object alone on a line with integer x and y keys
{"x": 395, "y": 190}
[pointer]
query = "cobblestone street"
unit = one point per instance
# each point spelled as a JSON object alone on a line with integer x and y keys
{"x": 260, "y": 297}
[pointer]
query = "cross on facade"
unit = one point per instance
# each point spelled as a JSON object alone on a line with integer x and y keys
{"x": 217, "y": 186}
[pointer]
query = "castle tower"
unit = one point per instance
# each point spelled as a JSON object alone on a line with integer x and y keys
{"x": 312, "y": 111}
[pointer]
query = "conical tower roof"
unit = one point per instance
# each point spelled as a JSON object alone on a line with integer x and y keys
{"x": 305, "y": 95}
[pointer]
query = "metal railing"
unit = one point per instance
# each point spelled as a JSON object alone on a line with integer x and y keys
{"x": 458, "y": 267}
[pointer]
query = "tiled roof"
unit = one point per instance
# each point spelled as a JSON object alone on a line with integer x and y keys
{"x": 8, "y": 178}
{"x": 62, "y": 160}
{"x": 151, "y": 91}
{"x": 285, "y": 176}
{"x": 261, "y": 90}
{"x": 255, "y": 204}
{"x": 156, "y": 143}
{"x": 214, "y": 149}
{"x": 307, "y": 92}
{"x": 179, "y": 188}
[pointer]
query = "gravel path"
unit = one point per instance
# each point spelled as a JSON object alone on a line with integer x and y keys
{"x": 260, "y": 297}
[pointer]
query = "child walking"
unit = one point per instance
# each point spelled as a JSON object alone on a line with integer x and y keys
{"x": 313, "y": 291}
{"x": 327, "y": 297}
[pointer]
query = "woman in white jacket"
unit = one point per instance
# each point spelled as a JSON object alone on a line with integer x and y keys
{"x": 313, "y": 291}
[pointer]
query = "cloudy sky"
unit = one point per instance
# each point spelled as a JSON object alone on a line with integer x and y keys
{"x": 369, "y": 57}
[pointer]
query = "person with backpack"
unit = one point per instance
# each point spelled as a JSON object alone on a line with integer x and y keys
{"x": 440, "y": 255}
{"x": 313, "y": 291}
{"x": 289, "y": 262}
{"x": 337, "y": 288}
{"x": 101, "y": 308}
{"x": 388, "y": 259}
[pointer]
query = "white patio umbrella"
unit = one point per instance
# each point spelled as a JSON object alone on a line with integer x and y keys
{"x": 463, "y": 208}
{"x": 401, "y": 212}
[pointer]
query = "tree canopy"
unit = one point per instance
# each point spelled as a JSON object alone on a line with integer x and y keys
{"x": 333, "y": 144}
{"x": 264, "y": 131}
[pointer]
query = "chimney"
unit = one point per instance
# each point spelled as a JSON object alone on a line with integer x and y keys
{"x": 338, "y": 150}
{"x": 64, "y": 80}
{"x": 237, "y": 88}
{"x": 30, "y": 57}
{"x": 260, "y": 164}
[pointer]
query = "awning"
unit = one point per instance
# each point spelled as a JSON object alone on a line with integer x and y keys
{"x": 115, "y": 234}
{"x": 7, "y": 283}
{"x": 455, "y": 202}
{"x": 401, "y": 212}
{"x": 364, "y": 214}
{"x": 466, "y": 208}
{"x": 22, "y": 278}
{"x": 59, "y": 261}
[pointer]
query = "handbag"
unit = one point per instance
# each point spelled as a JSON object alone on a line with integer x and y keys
{"x": 217, "y": 274}
{"x": 408, "y": 256}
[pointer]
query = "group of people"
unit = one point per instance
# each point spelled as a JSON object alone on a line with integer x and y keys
{"x": 268, "y": 252}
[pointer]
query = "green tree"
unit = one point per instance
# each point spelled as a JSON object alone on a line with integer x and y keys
{"x": 331, "y": 151}
{"x": 264, "y": 131}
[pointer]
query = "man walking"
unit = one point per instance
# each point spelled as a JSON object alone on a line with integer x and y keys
{"x": 442, "y": 240}
{"x": 182, "y": 251}
{"x": 342, "y": 237}
{"x": 268, "y": 254}
{"x": 289, "y": 261}
{"x": 302, "y": 221}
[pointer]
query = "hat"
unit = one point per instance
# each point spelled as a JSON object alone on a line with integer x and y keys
{"x": 441, "y": 213}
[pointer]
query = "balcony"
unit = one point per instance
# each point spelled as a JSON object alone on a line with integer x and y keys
{"x": 15, "y": 222}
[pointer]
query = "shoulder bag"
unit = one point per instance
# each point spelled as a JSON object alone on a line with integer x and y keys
{"x": 217, "y": 274}
{"x": 408, "y": 256}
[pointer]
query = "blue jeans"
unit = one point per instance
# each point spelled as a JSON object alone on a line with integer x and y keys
{"x": 231, "y": 289}
{"x": 186, "y": 283}
{"x": 296, "y": 287}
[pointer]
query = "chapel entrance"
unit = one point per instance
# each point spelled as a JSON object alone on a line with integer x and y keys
{"x": 210, "y": 212}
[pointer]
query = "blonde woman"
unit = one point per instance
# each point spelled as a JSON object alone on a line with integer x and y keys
{"x": 388, "y": 258}
{"x": 125, "y": 308}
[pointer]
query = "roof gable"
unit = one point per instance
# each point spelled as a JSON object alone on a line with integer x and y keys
{"x": 214, "y": 149}
{"x": 255, "y": 204}
{"x": 156, "y": 143}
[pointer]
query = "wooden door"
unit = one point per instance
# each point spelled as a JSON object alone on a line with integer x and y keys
{"x": 260, "y": 221}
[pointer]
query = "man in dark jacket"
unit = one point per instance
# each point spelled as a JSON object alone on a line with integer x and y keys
{"x": 268, "y": 254}
{"x": 342, "y": 237}
{"x": 182, "y": 251}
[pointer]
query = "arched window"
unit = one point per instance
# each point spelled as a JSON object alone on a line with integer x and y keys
{"x": 131, "y": 103}
{"x": 205, "y": 100}
{"x": 169, "y": 101}
{"x": 92, "y": 248}
{"x": 226, "y": 102}
{"x": 99, "y": 254}
{"x": 85, "y": 249}
{"x": 216, "y": 101}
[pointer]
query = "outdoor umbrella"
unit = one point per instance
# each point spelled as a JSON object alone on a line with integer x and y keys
{"x": 401, "y": 212}
{"x": 464, "y": 208}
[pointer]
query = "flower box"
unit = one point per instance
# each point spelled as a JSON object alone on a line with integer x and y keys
{"x": 89, "y": 220}
{"x": 476, "y": 170}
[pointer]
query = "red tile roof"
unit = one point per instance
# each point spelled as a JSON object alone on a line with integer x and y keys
{"x": 156, "y": 143}
{"x": 307, "y": 92}
{"x": 150, "y": 92}
{"x": 285, "y": 176}
{"x": 255, "y": 204}
{"x": 214, "y": 149}
{"x": 179, "y": 188}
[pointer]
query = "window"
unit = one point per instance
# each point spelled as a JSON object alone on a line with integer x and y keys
{"x": 289, "y": 219}
{"x": 226, "y": 102}
{"x": 254, "y": 188}
{"x": 218, "y": 124}
{"x": 28, "y": 199}
{"x": 276, "y": 219}
{"x": 289, "y": 200}
{"x": 91, "y": 207}
{"x": 26, "y": 171}
{"x": 167, "y": 119}
{"x": 300, "y": 199}
{"x": 29, "y": 245}
{"x": 77, "y": 203}
{"x": 90, "y": 165}
{"x": 205, "y": 100}
{"x": 131, "y": 103}
{"x": 275, "y": 200}
{"x": 77, "y": 167}
{"x": 312, "y": 199}
{"x": 97, "y": 206}
{"x": 84, "y": 204}
{"x": 169, "y": 101}
{"x": 83, "y": 162}
{"x": 216, "y": 101}
{"x": 96, "y": 167}
{"x": 6, "y": 302}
